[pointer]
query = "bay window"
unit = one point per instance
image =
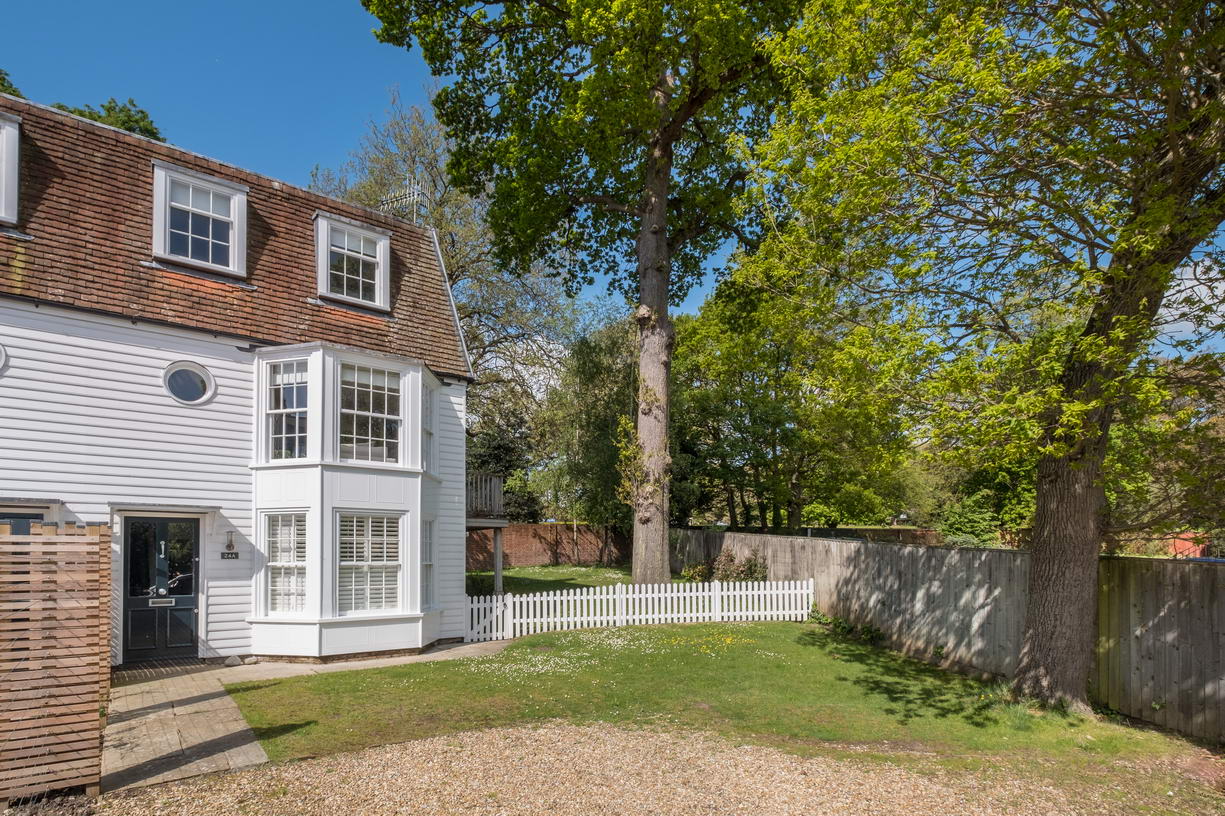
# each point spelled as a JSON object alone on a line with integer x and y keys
{"x": 368, "y": 563}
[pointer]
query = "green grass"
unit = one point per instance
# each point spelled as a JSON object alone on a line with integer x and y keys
{"x": 793, "y": 686}
{"x": 550, "y": 579}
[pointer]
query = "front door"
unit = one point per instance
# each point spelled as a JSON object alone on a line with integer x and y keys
{"x": 161, "y": 569}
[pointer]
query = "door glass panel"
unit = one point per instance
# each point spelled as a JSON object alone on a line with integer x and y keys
{"x": 142, "y": 559}
{"x": 180, "y": 566}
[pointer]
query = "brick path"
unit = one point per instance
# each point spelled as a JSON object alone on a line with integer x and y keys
{"x": 174, "y": 720}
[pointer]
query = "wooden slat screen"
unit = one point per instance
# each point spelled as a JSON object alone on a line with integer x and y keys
{"x": 54, "y": 656}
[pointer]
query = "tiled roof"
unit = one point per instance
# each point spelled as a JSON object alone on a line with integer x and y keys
{"x": 86, "y": 203}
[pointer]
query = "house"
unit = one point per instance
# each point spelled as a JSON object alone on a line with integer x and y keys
{"x": 261, "y": 389}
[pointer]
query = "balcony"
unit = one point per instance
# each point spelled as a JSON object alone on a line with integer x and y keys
{"x": 484, "y": 504}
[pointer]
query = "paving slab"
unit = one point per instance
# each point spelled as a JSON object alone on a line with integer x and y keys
{"x": 174, "y": 720}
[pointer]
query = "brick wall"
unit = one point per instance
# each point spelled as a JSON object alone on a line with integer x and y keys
{"x": 534, "y": 545}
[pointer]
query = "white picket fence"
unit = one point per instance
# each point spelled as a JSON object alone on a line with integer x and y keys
{"x": 493, "y": 617}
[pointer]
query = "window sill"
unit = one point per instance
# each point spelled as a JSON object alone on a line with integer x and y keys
{"x": 9, "y": 229}
{"x": 390, "y": 616}
{"x": 340, "y": 301}
{"x": 292, "y": 463}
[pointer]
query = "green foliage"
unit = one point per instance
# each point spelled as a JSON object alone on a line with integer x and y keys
{"x": 725, "y": 567}
{"x": 478, "y": 583}
{"x": 581, "y": 425}
{"x": 123, "y": 115}
{"x": 555, "y": 108}
{"x": 7, "y": 86}
{"x": 696, "y": 573}
{"x": 971, "y": 522}
{"x": 786, "y": 411}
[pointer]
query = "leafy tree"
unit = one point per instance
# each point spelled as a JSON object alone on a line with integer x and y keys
{"x": 995, "y": 162}
{"x": 605, "y": 133}
{"x": 123, "y": 115}
{"x": 790, "y": 410}
{"x": 7, "y": 86}
{"x": 581, "y": 425}
{"x": 971, "y": 522}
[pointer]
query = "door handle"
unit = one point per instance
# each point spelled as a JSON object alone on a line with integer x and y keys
{"x": 163, "y": 543}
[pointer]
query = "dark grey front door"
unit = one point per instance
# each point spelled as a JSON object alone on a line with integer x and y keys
{"x": 161, "y": 565}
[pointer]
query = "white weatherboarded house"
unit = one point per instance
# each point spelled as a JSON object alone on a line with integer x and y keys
{"x": 261, "y": 389}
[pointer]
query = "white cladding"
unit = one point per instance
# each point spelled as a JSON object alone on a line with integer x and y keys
{"x": 85, "y": 420}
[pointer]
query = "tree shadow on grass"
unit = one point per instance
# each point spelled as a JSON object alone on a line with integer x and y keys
{"x": 909, "y": 688}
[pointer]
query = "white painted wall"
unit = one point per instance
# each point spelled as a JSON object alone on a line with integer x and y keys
{"x": 84, "y": 418}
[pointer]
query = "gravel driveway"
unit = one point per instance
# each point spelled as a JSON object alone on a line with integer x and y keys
{"x": 565, "y": 769}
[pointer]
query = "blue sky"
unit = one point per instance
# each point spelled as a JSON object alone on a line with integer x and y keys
{"x": 270, "y": 85}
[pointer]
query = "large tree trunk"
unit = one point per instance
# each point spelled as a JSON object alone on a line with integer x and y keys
{"x": 1061, "y": 616}
{"x": 655, "y": 341}
{"x": 1057, "y": 649}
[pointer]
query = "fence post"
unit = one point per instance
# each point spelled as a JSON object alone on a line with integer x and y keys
{"x": 716, "y": 601}
{"x": 811, "y": 598}
{"x": 620, "y": 604}
{"x": 508, "y": 616}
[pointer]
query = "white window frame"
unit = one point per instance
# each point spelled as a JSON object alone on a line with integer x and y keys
{"x": 400, "y": 519}
{"x": 429, "y": 544}
{"x": 10, "y": 166}
{"x": 382, "y": 289}
{"x": 341, "y": 412}
{"x": 163, "y": 174}
{"x": 270, "y": 412}
{"x": 295, "y": 564}
{"x": 429, "y": 427}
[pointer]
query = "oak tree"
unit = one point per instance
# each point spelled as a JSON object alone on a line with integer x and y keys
{"x": 604, "y": 133}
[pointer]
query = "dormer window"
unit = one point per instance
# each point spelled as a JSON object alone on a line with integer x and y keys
{"x": 198, "y": 220}
{"x": 10, "y": 166}
{"x": 352, "y": 260}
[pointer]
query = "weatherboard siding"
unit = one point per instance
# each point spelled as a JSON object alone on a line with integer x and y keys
{"x": 84, "y": 419}
{"x": 449, "y": 527}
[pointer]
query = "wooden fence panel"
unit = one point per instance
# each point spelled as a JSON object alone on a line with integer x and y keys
{"x": 54, "y": 656}
{"x": 1161, "y": 622}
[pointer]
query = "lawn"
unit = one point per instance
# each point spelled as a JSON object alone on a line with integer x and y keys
{"x": 549, "y": 579}
{"x": 793, "y": 686}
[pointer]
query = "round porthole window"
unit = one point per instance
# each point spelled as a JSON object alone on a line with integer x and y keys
{"x": 189, "y": 383}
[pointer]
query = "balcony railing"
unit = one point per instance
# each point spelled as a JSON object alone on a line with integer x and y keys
{"x": 485, "y": 496}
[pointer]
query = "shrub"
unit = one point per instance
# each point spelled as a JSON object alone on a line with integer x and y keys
{"x": 477, "y": 584}
{"x": 723, "y": 567}
{"x": 753, "y": 568}
{"x": 696, "y": 573}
